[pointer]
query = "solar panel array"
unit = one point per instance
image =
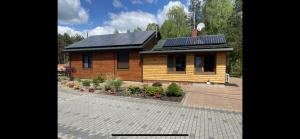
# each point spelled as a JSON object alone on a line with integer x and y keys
{"x": 122, "y": 39}
{"x": 201, "y": 40}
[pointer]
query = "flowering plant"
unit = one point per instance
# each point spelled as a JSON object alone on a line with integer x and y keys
{"x": 91, "y": 89}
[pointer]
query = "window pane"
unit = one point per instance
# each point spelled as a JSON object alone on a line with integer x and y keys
{"x": 170, "y": 62}
{"x": 209, "y": 63}
{"x": 123, "y": 60}
{"x": 87, "y": 61}
{"x": 180, "y": 63}
{"x": 198, "y": 63}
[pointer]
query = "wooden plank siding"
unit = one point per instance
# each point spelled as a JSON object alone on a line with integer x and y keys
{"x": 155, "y": 69}
{"x": 105, "y": 62}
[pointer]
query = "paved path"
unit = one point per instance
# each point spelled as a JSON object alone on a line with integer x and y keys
{"x": 98, "y": 116}
{"x": 215, "y": 96}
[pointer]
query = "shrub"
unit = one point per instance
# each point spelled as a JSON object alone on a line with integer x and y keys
{"x": 174, "y": 90}
{"x": 77, "y": 86}
{"x": 96, "y": 82}
{"x": 70, "y": 85}
{"x": 63, "y": 78}
{"x": 77, "y": 79}
{"x": 113, "y": 83}
{"x": 91, "y": 90}
{"x": 133, "y": 90}
{"x": 86, "y": 83}
{"x": 157, "y": 84}
{"x": 100, "y": 78}
{"x": 152, "y": 90}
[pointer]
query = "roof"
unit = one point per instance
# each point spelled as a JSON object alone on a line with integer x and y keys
{"x": 202, "y": 43}
{"x": 112, "y": 41}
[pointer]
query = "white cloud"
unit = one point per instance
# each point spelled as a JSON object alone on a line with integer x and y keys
{"x": 68, "y": 30}
{"x": 162, "y": 14}
{"x": 136, "y": 2}
{"x": 130, "y": 20}
{"x": 118, "y": 4}
{"x": 126, "y": 20}
{"x": 99, "y": 30}
{"x": 71, "y": 12}
{"x": 89, "y": 1}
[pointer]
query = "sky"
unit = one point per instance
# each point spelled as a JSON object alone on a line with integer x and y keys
{"x": 98, "y": 17}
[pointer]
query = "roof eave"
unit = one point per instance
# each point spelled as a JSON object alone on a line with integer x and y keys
{"x": 105, "y": 48}
{"x": 193, "y": 50}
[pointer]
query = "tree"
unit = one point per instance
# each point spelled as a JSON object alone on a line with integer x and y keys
{"x": 234, "y": 37}
{"x": 137, "y": 29}
{"x": 195, "y": 6}
{"x": 217, "y": 13}
{"x": 63, "y": 41}
{"x": 176, "y": 24}
{"x": 116, "y": 31}
{"x": 151, "y": 26}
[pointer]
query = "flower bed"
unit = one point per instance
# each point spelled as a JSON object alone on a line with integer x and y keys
{"x": 113, "y": 86}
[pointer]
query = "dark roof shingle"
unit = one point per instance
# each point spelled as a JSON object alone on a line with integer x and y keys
{"x": 112, "y": 40}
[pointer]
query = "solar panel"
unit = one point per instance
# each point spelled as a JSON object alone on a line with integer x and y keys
{"x": 122, "y": 39}
{"x": 201, "y": 40}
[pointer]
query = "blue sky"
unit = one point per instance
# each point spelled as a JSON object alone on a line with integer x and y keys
{"x": 104, "y": 16}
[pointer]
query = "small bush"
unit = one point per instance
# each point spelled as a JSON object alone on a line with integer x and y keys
{"x": 100, "y": 78}
{"x": 133, "y": 90}
{"x": 96, "y": 82}
{"x": 77, "y": 79}
{"x": 77, "y": 86}
{"x": 152, "y": 90}
{"x": 113, "y": 84}
{"x": 157, "y": 84}
{"x": 174, "y": 90}
{"x": 86, "y": 83}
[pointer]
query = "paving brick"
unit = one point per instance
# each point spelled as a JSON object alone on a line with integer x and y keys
{"x": 90, "y": 116}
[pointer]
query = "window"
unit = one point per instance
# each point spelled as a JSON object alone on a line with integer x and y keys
{"x": 209, "y": 65}
{"x": 87, "y": 61}
{"x": 198, "y": 63}
{"x": 123, "y": 60}
{"x": 180, "y": 63}
{"x": 205, "y": 63}
{"x": 170, "y": 62}
{"x": 176, "y": 62}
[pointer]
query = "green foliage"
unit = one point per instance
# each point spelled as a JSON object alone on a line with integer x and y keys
{"x": 151, "y": 26}
{"x": 86, "y": 83}
{"x": 195, "y": 6}
{"x": 176, "y": 25}
{"x": 157, "y": 84}
{"x": 63, "y": 78}
{"x": 100, "y": 78}
{"x": 174, "y": 90}
{"x": 113, "y": 83}
{"x": 234, "y": 37}
{"x": 77, "y": 79}
{"x": 217, "y": 13}
{"x": 151, "y": 90}
{"x": 96, "y": 82}
{"x": 133, "y": 90}
{"x": 63, "y": 41}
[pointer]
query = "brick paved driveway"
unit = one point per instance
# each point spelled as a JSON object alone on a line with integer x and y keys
{"x": 215, "y": 96}
{"x": 98, "y": 116}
